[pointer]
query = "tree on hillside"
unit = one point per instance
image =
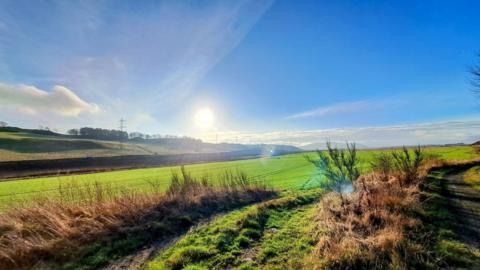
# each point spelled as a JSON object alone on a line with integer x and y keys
{"x": 73, "y": 132}
{"x": 103, "y": 134}
{"x": 475, "y": 80}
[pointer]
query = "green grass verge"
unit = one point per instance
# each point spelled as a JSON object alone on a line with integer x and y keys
{"x": 472, "y": 176}
{"x": 271, "y": 235}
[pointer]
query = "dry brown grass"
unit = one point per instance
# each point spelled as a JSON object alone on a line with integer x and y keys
{"x": 376, "y": 227}
{"x": 55, "y": 231}
{"x": 369, "y": 231}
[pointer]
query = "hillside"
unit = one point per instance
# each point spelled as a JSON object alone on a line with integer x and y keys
{"x": 323, "y": 146}
{"x": 31, "y": 144}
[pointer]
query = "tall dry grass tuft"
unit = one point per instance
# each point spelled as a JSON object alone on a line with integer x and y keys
{"x": 373, "y": 227}
{"x": 51, "y": 231}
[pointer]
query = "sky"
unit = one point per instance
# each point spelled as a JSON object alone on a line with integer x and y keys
{"x": 379, "y": 73}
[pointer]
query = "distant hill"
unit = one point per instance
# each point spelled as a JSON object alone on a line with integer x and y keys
{"x": 323, "y": 146}
{"x": 28, "y": 144}
{"x": 198, "y": 146}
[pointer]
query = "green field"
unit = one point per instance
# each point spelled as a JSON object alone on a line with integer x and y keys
{"x": 291, "y": 172}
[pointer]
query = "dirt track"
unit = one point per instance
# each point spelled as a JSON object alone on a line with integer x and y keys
{"x": 465, "y": 206}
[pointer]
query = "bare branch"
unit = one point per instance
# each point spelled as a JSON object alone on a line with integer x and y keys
{"x": 475, "y": 79}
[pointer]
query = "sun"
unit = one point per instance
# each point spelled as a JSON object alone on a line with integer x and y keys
{"x": 204, "y": 118}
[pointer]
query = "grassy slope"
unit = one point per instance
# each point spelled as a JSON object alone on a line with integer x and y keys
{"x": 98, "y": 228}
{"x": 290, "y": 172}
{"x": 271, "y": 235}
{"x": 26, "y": 146}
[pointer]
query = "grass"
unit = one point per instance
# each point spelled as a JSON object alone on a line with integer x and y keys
{"x": 290, "y": 172}
{"x": 380, "y": 225}
{"x": 94, "y": 219}
{"x": 263, "y": 236}
{"x": 28, "y": 146}
{"x": 472, "y": 177}
{"x": 91, "y": 229}
{"x": 289, "y": 239}
{"x": 368, "y": 230}
{"x": 31, "y": 146}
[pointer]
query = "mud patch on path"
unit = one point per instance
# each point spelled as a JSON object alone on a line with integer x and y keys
{"x": 465, "y": 206}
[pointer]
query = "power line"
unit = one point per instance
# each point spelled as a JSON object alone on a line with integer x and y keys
{"x": 122, "y": 127}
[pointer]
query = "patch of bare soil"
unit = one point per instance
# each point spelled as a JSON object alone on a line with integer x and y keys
{"x": 465, "y": 206}
{"x": 137, "y": 259}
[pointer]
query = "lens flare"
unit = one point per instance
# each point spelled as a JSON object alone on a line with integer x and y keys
{"x": 204, "y": 118}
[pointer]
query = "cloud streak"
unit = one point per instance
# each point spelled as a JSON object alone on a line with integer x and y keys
{"x": 341, "y": 108}
{"x": 29, "y": 99}
{"x": 116, "y": 55}
{"x": 412, "y": 134}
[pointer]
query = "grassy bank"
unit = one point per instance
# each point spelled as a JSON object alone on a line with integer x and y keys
{"x": 389, "y": 221}
{"x": 271, "y": 235}
{"x": 472, "y": 177}
{"x": 89, "y": 229}
{"x": 31, "y": 146}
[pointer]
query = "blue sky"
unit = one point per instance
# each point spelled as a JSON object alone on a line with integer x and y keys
{"x": 299, "y": 72}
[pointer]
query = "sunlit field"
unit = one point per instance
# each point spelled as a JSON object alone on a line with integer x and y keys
{"x": 288, "y": 172}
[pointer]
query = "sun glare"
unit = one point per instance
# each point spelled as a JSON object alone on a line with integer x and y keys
{"x": 204, "y": 118}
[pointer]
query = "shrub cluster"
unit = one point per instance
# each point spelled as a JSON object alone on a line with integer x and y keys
{"x": 373, "y": 226}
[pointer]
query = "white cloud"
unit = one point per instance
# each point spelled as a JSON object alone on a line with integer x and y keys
{"x": 176, "y": 45}
{"x": 31, "y": 100}
{"x": 342, "y": 108}
{"x": 413, "y": 134}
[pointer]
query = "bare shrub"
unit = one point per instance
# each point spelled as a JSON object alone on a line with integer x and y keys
{"x": 408, "y": 163}
{"x": 338, "y": 166}
{"x": 475, "y": 79}
{"x": 370, "y": 231}
{"x": 375, "y": 226}
{"x": 383, "y": 164}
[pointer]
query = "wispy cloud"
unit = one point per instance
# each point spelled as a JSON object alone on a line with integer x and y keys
{"x": 60, "y": 101}
{"x": 151, "y": 57}
{"x": 210, "y": 39}
{"x": 342, "y": 108}
{"x": 411, "y": 134}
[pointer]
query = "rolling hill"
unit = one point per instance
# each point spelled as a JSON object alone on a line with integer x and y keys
{"x": 31, "y": 144}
